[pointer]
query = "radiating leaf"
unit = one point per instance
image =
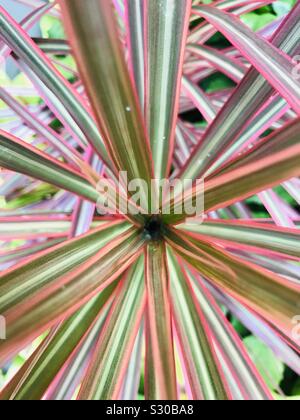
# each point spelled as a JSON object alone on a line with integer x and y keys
{"x": 281, "y": 240}
{"x": 166, "y": 27}
{"x": 260, "y": 329}
{"x": 262, "y": 121}
{"x": 43, "y": 130}
{"x": 199, "y": 99}
{"x": 29, "y": 227}
{"x": 250, "y": 95}
{"x": 51, "y": 358}
{"x": 276, "y": 67}
{"x": 31, "y": 313}
{"x": 244, "y": 373}
{"x": 229, "y": 66}
{"x": 203, "y": 368}
{"x": 20, "y": 157}
{"x": 160, "y": 380}
{"x": 67, "y": 385}
{"x": 132, "y": 379}
{"x": 47, "y": 266}
{"x": 103, "y": 69}
{"x": 25, "y": 48}
{"x": 135, "y": 34}
{"x": 275, "y": 160}
{"x": 271, "y": 296}
{"x": 107, "y": 368}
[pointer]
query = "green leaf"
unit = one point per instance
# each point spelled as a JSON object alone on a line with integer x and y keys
{"x": 282, "y": 7}
{"x": 271, "y": 369}
{"x": 76, "y": 364}
{"x": 256, "y": 22}
{"x": 296, "y": 388}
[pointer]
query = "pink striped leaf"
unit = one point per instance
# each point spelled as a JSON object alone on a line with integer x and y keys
{"x": 204, "y": 371}
{"x": 43, "y": 130}
{"x": 251, "y": 94}
{"x": 22, "y": 45}
{"x": 275, "y": 66}
{"x": 248, "y": 384}
{"x": 134, "y": 11}
{"x": 166, "y": 28}
{"x": 108, "y": 366}
{"x": 281, "y": 240}
{"x": 276, "y": 159}
{"x": 51, "y": 295}
{"x": 103, "y": 69}
{"x": 160, "y": 375}
{"x": 271, "y": 296}
{"x": 52, "y": 356}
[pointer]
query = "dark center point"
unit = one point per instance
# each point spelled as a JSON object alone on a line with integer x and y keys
{"x": 153, "y": 228}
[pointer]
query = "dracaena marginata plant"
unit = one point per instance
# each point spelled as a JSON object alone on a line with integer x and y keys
{"x": 116, "y": 296}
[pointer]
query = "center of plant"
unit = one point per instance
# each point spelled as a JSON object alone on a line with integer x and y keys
{"x": 153, "y": 228}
